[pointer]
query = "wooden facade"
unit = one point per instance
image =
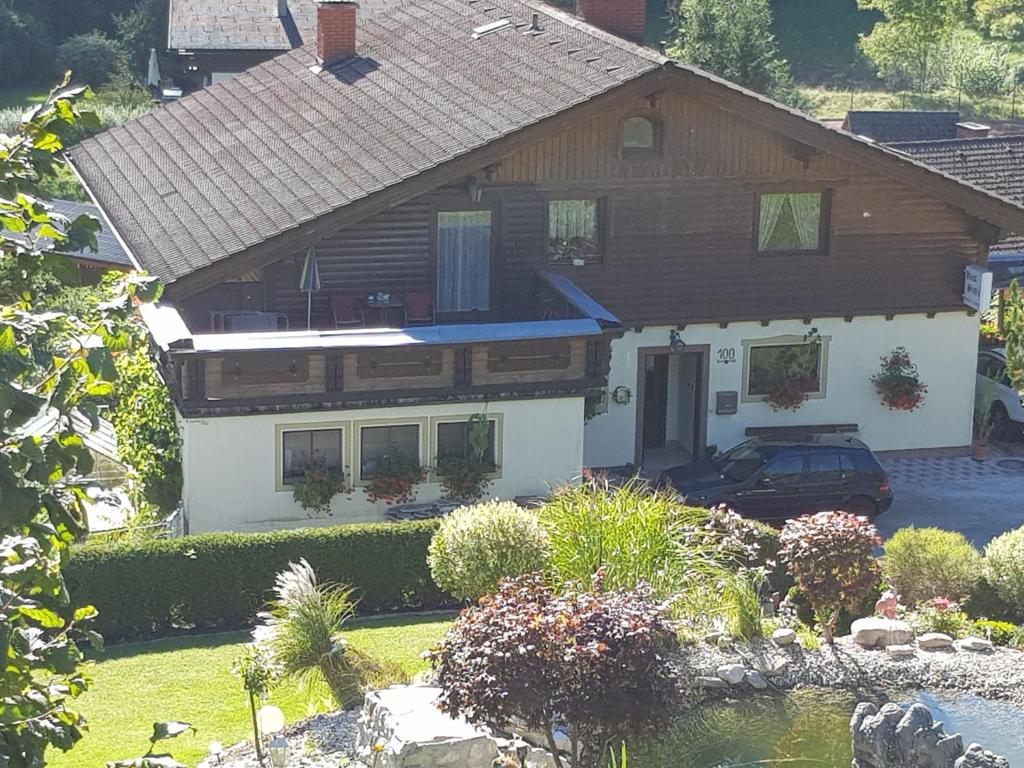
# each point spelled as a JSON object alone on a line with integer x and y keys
{"x": 678, "y": 230}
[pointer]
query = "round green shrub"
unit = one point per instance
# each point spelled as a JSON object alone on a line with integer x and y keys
{"x": 999, "y": 632}
{"x": 478, "y": 546}
{"x": 1004, "y": 568}
{"x": 93, "y": 58}
{"x": 925, "y": 563}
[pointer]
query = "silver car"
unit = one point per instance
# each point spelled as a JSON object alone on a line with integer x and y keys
{"x": 1008, "y": 405}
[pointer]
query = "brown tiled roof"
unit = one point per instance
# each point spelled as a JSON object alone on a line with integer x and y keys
{"x": 239, "y": 162}
{"x": 889, "y": 126}
{"x": 994, "y": 164}
{"x": 234, "y": 25}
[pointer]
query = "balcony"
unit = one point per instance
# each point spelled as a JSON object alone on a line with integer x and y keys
{"x": 564, "y": 352}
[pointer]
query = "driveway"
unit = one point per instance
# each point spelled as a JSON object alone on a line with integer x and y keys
{"x": 979, "y": 499}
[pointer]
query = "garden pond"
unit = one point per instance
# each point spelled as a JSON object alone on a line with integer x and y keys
{"x": 812, "y": 728}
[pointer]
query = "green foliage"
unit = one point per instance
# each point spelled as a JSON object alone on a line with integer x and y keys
{"x": 906, "y": 48}
{"x": 220, "y": 580}
{"x": 939, "y": 615}
{"x": 92, "y": 57}
{"x": 633, "y": 534}
{"x": 1002, "y": 19}
{"x": 1004, "y": 568}
{"x": 831, "y": 556}
{"x": 301, "y": 634}
{"x": 256, "y": 670}
{"x": 741, "y": 604}
{"x": 478, "y": 546}
{"x": 733, "y": 39}
{"x": 140, "y": 28}
{"x": 44, "y": 367}
{"x": 26, "y": 48}
{"x": 978, "y": 67}
{"x": 1013, "y": 330}
{"x": 394, "y": 478}
{"x": 999, "y": 632}
{"x": 924, "y": 563}
{"x": 318, "y": 488}
{"x": 146, "y": 427}
{"x": 596, "y": 661}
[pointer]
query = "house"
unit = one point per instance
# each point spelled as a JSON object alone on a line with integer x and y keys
{"x": 615, "y": 258}
{"x": 108, "y": 256}
{"x": 215, "y": 39}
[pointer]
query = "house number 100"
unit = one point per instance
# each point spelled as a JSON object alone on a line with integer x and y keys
{"x": 727, "y": 355}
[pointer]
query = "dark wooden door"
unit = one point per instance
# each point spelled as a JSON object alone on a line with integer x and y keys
{"x": 655, "y": 400}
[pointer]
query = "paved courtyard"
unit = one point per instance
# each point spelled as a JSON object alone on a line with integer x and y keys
{"x": 979, "y": 499}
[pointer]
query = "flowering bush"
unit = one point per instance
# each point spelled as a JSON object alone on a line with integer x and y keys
{"x": 464, "y": 477}
{"x": 939, "y": 615}
{"x": 788, "y": 393}
{"x": 318, "y": 487}
{"x": 478, "y": 546}
{"x": 831, "y": 556}
{"x": 394, "y": 478}
{"x": 596, "y": 662}
{"x": 898, "y": 384}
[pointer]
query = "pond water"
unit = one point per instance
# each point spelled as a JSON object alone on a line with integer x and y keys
{"x": 811, "y": 728}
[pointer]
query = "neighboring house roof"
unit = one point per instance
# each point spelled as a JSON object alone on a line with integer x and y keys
{"x": 234, "y": 25}
{"x": 101, "y": 441}
{"x": 109, "y": 250}
{"x": 256, "y": 163}
{"x": 902, "y": 126}
{"x": 996, "y": 164}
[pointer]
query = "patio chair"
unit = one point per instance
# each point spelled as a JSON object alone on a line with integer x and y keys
{"x": 419, "y": 308}
{"x": 346, "y": 310}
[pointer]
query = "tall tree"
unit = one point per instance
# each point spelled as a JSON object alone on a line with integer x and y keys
{"x": 50, "y": 363}
{"x": 733, "y": 39}
{"x": 906, "y": 48}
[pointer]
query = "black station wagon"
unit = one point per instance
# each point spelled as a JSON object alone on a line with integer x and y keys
{"x": 778, "y": 479}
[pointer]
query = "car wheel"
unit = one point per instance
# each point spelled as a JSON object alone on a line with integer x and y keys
{"x": 1000, "y": 421}
{"x": 861, "y": 506}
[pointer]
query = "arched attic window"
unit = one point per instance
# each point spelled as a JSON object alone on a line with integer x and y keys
{"x": 640, "y": 134}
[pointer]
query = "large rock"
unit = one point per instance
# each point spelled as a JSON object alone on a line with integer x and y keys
{"x": 769, "y": 664}
{"x": 416, "y": 734}
{"x": 974, "y": 644}
{"x": 931, "y": 641}
{"x": 784, "y": 636}
{"x": 733, "y": 674}
{"x": 875, "y": 632}
{"x": 892, "y": 737}
{"x": 710, "y": 682}
{"x": 900, "y": 651}
{"x": 755, "y": 679}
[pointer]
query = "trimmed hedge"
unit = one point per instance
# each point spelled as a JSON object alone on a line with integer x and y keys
{"x": 220, "y": 580}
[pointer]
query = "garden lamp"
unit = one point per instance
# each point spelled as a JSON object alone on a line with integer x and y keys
{"x": 278, "y": 748}
{"x": 216, "y": 748}
{"x": 270, "y": 719}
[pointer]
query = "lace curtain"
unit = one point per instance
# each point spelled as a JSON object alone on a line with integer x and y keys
{"x": 572, "y": 228}
{"x": 463, "y": 261}
{"x": 790, "y": 222}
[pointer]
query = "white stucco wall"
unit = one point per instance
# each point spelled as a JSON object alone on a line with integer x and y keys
{"x": 943, "y": 347}
{"x": 231, "y": 464}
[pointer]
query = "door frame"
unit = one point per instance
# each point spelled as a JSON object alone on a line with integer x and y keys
{"x": 700, "y": 407}
{"x": 455, "y": 205}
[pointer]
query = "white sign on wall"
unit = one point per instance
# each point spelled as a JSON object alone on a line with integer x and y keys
{"x": 977, "y": 287}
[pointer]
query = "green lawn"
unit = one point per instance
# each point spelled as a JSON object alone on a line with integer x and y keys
{"x": 21, "y": 97}
{"x": 189, "y": 678}
{"x": 835, "y": 103}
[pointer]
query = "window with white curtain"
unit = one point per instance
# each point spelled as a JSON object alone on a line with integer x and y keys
{"x": 463, "y": 261}
{"x": 574, "y": 230}
{"x": 790, "y": 221}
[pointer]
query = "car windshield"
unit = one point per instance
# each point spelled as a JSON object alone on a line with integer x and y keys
{"x": 743, "y": 461}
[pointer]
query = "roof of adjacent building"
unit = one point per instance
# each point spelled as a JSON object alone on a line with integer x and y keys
{"x": 109, "y": 250}
{"x": 248, "y": 25}
{"x": 254, "y": 164}
{"x": 996, "y": 164}
{"x": 885, "y": 126}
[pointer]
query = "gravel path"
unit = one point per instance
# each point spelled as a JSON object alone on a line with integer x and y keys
{"x": 323, "y": 741}
{"x": 995, "y": 674}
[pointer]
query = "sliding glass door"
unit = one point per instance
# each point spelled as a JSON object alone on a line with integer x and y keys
{"x": 463, "y": 261}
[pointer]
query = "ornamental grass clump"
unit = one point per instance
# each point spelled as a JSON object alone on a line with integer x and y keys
{"x": 301, "y": 635}
{"x": 925, "y": 563}
{"x": 478, "y": 546}
{"x": 831, "y": 557}
{"x": 634, "y": 534}
{"x": 595, "y": 662}
{"x": 1004, "y": 569}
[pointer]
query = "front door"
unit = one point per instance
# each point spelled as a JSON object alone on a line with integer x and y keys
{"x": 655, "y": 400}
{"x": 463, "y": 261}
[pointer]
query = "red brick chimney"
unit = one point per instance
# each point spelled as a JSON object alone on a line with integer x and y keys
{"x": 335, "y": 30}
{"x": 624, "y": 18}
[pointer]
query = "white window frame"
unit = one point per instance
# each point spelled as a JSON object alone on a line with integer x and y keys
{"x": 499, "y": 436}
{"x": 786, "y": 341}
{"x": 279, "y": 433}
{"x": 357, "y": 439}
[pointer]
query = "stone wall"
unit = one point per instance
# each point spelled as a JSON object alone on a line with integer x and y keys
{"x": 894, "y": 737}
